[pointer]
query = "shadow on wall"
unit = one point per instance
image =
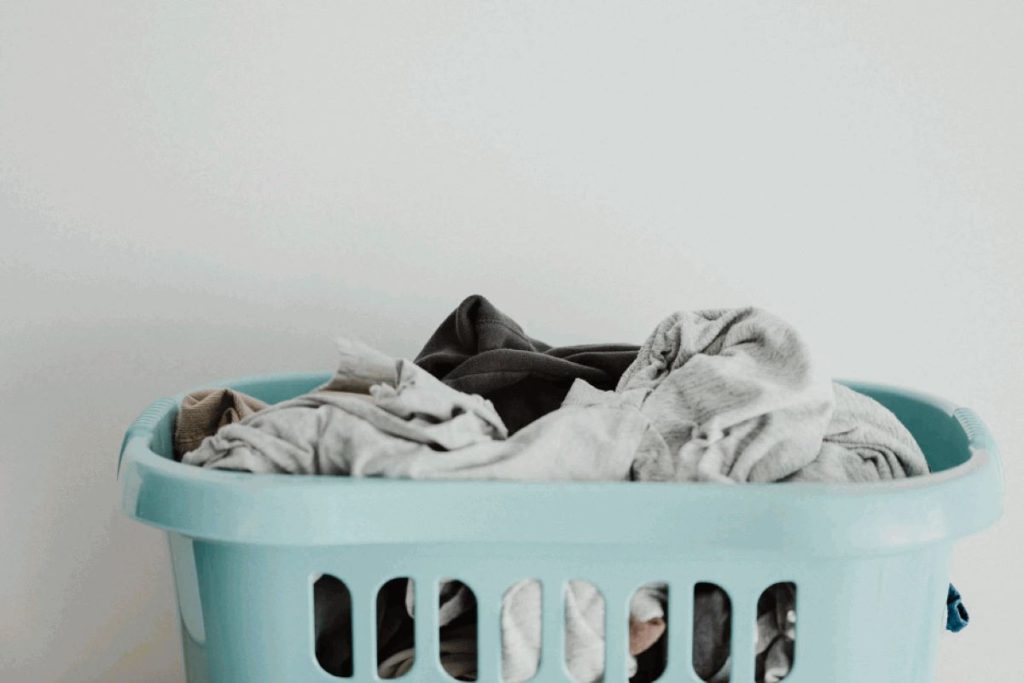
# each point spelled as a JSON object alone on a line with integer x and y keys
{"x": 87, "y": 593}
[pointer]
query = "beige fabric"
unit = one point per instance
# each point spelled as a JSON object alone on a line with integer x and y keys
{"x": 644, "y": 634}
{"x": 202, "y": 413}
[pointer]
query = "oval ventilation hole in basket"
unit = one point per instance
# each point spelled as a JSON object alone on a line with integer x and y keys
{"x": 585, "y": 604}
{"x": 712, "y": 629}
{"x": 457, "y": 616}
{"x": 648, "y": 631}
{"x": 332, "y": 625}
{"x": 396, "y": 631}
{"x": 521, "y": 630}
{"x": 776, "y": 632}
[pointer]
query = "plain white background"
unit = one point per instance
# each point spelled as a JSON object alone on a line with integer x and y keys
{"x": 197, "y": 190}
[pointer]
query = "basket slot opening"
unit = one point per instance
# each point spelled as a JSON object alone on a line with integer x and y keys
{"x": 584, "y": 605}
{"x": 648, "y": 631}
{"x": 776, "y": 632}
{"x": 712, "y": 629}
{"x": 396, "y": 628}
{"x": 457, "y": 629}
{"x": 332, "y": 624}
{"x": 523, "y": 616}
{"x": 521, "y": 630}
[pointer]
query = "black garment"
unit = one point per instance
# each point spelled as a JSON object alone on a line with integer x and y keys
{"x": 480, "y": 350}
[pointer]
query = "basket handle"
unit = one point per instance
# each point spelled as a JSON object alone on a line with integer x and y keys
{"x": 144, "y": 425}
{"x": 978, "y": 435}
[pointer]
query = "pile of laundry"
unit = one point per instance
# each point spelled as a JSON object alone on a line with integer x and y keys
{"x": 728, "y": 395}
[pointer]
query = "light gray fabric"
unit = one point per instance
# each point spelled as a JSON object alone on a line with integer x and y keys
{"x": 736, "y": 397}
{"x": 734, "y": 394}
{"x": 864, "y": 442}
{"x": 393, "y": 419}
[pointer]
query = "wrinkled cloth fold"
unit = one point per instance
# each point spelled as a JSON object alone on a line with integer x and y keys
{"x": 480, "y": 350}
{"x": 736, "y": 397}
{"x": 203, "y": 412}
{"x": 864, "y": 442}
{"x": 734, "y": 394}
{"x": 410, "y": 425}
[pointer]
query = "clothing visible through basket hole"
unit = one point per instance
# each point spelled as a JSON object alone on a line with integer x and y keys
{"x": 776, "y": 632}
{"x": 584, "y": 617}
{"x": 456, "y": 620}
{"x": 648, "y": 632}
{"x": 457, "y": 617}
{"x": 522, "y": 621}
{"x": 332, "y": 624}
{"x": 712, "y": 632}
{"x": 521, "y": 631}
{"x": 396, "y": 632}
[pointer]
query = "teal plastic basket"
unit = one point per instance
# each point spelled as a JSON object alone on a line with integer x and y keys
{"x": 870, "y": 561}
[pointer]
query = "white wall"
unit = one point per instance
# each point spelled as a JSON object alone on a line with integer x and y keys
{"x": 193, "y": 190}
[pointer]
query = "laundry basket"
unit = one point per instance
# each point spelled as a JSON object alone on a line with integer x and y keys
{"x": 869, "y": 561}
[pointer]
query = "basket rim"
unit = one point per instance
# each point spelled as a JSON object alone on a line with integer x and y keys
{"x": 806, "y": 517}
